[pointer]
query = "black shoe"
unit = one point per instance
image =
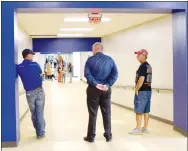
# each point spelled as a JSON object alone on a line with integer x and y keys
{"x": 88, "y": 140}
{"x": 109, "y": 139}
{"x": 40, "y": 137}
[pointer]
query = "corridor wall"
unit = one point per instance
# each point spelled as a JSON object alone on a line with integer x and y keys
{"x": 156, "y": 37}
{"x": 83, "y": 58}
{"x": 23, "y": 41}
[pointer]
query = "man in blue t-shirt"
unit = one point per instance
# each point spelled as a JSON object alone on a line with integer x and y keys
{"x": 31, "y": 76}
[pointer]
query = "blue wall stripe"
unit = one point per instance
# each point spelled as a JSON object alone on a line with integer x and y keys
{"x": 63, "y": 45}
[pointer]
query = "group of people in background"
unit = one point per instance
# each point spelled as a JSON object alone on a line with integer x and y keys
{"x": 57, "y": 70}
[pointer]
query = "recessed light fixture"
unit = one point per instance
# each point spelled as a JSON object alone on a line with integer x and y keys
{"x": 106, "y": 19}
{"x": 76, "y": 29}
{"x": 76, "y": 19}
{"x": 70, "y": 35}
{"x": 69, "y": 19}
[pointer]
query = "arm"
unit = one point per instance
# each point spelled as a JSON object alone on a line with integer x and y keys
{"x": 87, "y": 74}
{"x": 140, "y": 83}
{"x": 113, "y": 75}
{"x": 141, "y": 78}
{"x": 39, "y": 69}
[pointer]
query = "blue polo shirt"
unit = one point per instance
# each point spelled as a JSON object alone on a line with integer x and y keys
{"x": 29, "y": 73}
{"x": 100, "y": 69}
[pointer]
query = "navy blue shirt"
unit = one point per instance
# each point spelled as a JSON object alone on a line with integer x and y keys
{"x": 30, "y": 74}
{"x": 100, "y": 69}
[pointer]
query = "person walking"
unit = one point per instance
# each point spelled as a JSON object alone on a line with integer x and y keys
{"x": 49, "y": 71}
{"x": 70, "y": 69}
{"x": 142, "y": 97}
{"x": 60, "y": 72}
{"x": 31, "y": 76}
{"x": 101, "y": 73}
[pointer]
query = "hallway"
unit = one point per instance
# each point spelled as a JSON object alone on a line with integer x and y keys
{"x": 66, "y": 124}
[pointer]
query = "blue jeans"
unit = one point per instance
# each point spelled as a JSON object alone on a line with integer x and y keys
{"x": 36, "y": 102}
{"x": 142, "y": 102}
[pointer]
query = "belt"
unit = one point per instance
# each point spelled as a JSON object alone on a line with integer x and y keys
{"x": 36, "y": 89}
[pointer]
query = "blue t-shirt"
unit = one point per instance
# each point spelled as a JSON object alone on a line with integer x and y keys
{"x": 30, "y": 74}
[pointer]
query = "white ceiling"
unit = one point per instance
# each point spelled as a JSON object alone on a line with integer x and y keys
{"x": 49, "y": 24}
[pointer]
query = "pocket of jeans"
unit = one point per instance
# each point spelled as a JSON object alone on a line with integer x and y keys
{"x": 29, "y": 97}
{"x": 27, "y": 94}
{"x": 41, "y": 95}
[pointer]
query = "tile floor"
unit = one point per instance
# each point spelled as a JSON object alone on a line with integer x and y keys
{"x": 66, "y": 117}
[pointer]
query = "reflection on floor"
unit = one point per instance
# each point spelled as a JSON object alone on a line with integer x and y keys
{"x": 67, "y": 117}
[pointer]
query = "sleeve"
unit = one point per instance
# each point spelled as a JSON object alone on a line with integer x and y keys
{"x": 38, "y": 68}
{"x": 113, "y": 75}
{"x": 87, "y": 73}
{"x": 143, "y": 70}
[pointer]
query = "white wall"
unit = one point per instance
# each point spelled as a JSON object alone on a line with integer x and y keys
{"x": 156, "y": 37}
{"x": 42, "y": 61}
{"x": 23, "y": 41}
{"x": 76, "y": 64}
{"x": 83, "y": 58}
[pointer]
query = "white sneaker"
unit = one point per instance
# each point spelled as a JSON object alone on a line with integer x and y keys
{"x": 136, "y": 132}
{"x": 145, "y": 130}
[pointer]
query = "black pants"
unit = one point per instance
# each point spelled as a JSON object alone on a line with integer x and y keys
{"x": 49, "y": 77}
{"x": 96, "y": 98}
{"x": 52, "y": 76}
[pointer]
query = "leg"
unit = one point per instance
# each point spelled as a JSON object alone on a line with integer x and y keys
{"x": 31, "y": 102}
{"x": 146, "y": 120}
{"x": 138, "y": 120}
{"x": 59, "y": 77}
{"x": 40, "y": 102}
{"x": 147, "y": 110}
{"x": 51, "y": 77}
{"x": 70, "y": 77}
{"x": 105, "y": 106}
{"x": 139, "y": 107}
{"x": 64, "y": 78}
{"x": 92, "y": 104}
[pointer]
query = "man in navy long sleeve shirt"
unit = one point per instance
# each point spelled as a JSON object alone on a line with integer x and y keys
{"x": 101, "y": 73}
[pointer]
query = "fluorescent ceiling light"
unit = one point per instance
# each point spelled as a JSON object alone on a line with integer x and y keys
{"x": 76, "y": 29}
{"x": 70, "y": 35}
{"x": 103, "y": 19}
{"x": 106, "y": 19}
{"x": 76, "y": 19}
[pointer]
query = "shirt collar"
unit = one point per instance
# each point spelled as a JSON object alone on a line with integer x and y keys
{"x": 27, "y": 61}
{"x": 99, "y": 53}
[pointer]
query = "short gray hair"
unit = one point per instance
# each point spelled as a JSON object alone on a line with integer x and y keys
{"x": 97, "y": 43}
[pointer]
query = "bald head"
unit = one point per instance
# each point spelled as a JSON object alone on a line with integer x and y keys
{"x": 97, "y": 47}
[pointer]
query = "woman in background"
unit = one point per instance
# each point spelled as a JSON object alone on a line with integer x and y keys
{"x": 49, "y": 71}
{"x": 60, "y": 72}
{"x": 70, "y": 72}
